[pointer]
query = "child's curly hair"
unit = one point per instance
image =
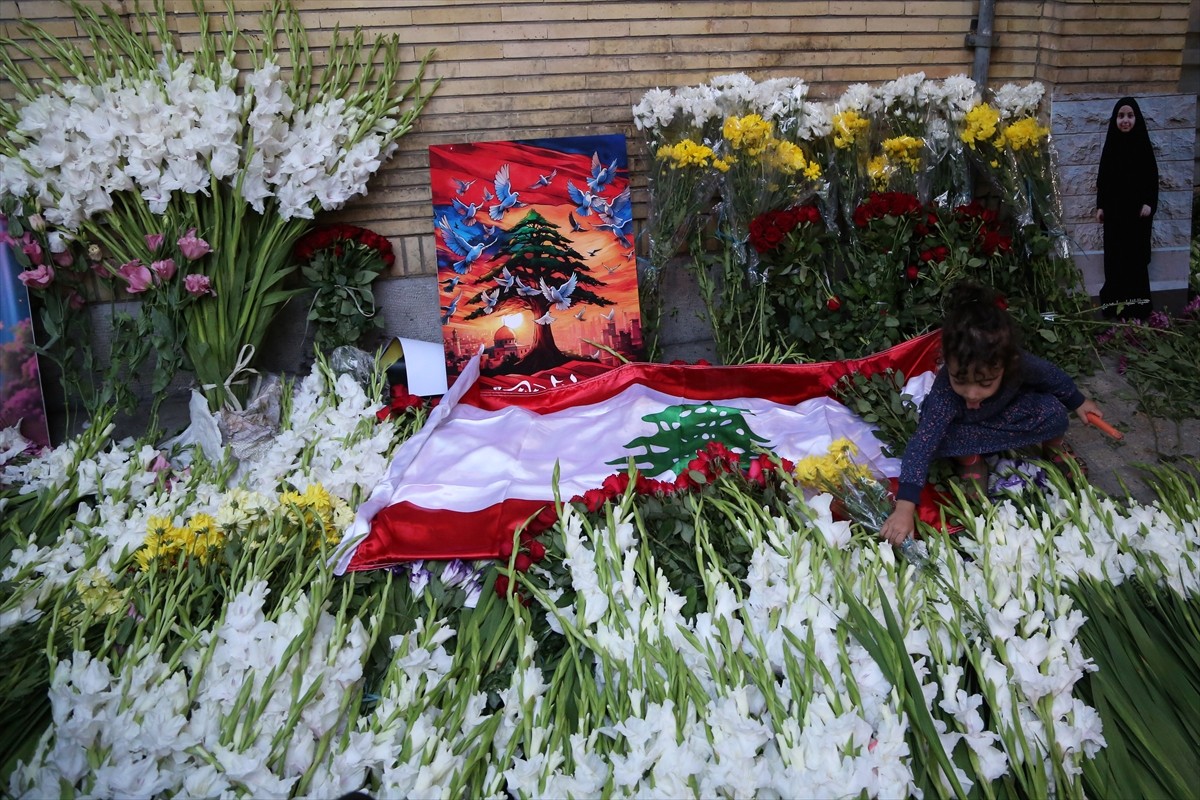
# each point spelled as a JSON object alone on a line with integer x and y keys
{"x": 978, "y": 334}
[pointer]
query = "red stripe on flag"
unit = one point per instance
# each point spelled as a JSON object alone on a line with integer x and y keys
{"x": 787, "y": 384}
{"x": 406, "y": 532}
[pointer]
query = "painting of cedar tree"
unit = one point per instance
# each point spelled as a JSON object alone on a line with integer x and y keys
{"x": 536, "y": 264}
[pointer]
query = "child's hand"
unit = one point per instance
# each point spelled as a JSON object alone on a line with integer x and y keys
{"x": 901, "y": 524}
{"x": 1088, "y": 407}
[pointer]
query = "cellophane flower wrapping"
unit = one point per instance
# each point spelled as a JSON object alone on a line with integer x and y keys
{"x": 860, "y": 496}
{"x": 768, "y": 166}
{"x": 849, "y": 148}
{"x": 946, "y": 180}
{"x": 1031, "y": 162}
{"x": 898, "y": 120}
{"x": 681, "y": 177}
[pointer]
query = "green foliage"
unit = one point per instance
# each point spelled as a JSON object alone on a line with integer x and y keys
{"x": 1154, "y": 359}
{"x": 344, "y": 304}
{"x": 1147, "y": 690}
{"x": 880, "y": 401}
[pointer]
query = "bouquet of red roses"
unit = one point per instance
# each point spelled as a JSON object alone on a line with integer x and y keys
{"x": 341, "y": 262}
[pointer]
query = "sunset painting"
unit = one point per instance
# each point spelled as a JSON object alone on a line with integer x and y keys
{"x": 536, "y": 265}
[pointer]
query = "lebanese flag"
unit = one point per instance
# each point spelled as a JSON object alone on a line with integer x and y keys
{"x": 484, "y": 461}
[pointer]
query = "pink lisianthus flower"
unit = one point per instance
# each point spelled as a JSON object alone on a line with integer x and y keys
{"x": 198, "y": 285}
{"x": 37, "y": 278}
{"x": 192, "y": 246}
{"x": 164, "y": 270}
{"x": 64, "y": 258}
{"x": 154, "y": 241}
{"x": 33, "y": 249}
{"x": 136, "y": 276}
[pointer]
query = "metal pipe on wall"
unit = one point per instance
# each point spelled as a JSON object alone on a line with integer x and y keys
{"x": 981, "y": 39}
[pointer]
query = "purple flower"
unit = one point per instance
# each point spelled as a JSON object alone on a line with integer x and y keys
{"x": 164, "y": 270}
{"x": 457, "y": 573}
{"x": 1107, "y": 336}
{"x": 38, "y": 278}
{"x": 197, "y": 285}
{"x": 1122, "y": 364}
{"x": 192, "y": 246}
{"x": 1159, "y": 320}
{"x": 1193, "y": 305}
{"x": 136, "y": 276}
{"x": 418, "y": 577}
{"x": 154, "y": 241}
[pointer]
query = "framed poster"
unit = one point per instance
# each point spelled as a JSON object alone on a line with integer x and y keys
{"x": 20, "y": 384}
{"x": 535, "y": 254}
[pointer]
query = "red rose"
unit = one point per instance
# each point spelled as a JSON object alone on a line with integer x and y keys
{"x": 594, "y": 499}
{"x": 833, "y": 303}
{"x": 506, "y": 549}
{"x": 523, "y": 562}
{"x": 912, "y": 273}
{"x": 546, "y": 517}
{"x": 501, "y": 585}
{"x": 684, "y": 482}
{"x": 1001, "y": 302}
{"x": 616, "y": 484}
{"x": 537, "y": 551}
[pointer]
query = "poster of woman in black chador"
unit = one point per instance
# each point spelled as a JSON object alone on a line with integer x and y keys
{"x": 1126, "y": 199}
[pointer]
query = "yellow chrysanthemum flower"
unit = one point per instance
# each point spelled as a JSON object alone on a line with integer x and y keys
{"x": 831, "y": 470}
{"x": 813, "y": 171}
{"x": 98, "y": 594}
{"x": 847, "y": 125}
{"x": 163, "y": 541}
{"x": 905, "y": 150}
{"x": 982, "y": 121}
{"x": 205, "y": 536}
{"x": 685, "y": 153}
{"x": 879, "y": 171}
{"x": 750, "y": 134}
{"x": 723, "y": 164}
{"x": 787, "y": 157}
{"x": 1025, "y": 133}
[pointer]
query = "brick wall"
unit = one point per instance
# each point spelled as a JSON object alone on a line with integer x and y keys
{"x": 530, "y": 68}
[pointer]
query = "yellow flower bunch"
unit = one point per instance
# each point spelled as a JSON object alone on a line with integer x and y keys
{"x": 834, "y": 469}
{"x": 904, "y": 150}
{"x": 878, "y": 170}
{"x": 1025, "y": 133}
{"x": 750, "y": 134}
{"x": 98, "y": 595}
{"x": 847, "y": 125}
{"x": 789, "y": 158}
{"x": 167, "y": 542}
{"x": 315, "y": 507}
{"x": 686, "y": 153}
{"x": 982, "y": 122}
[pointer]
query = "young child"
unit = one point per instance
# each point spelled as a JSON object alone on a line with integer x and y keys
{"x": 989, "y": 396}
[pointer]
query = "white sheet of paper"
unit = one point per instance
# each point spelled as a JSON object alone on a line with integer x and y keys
{"x": 425, "y": 365}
